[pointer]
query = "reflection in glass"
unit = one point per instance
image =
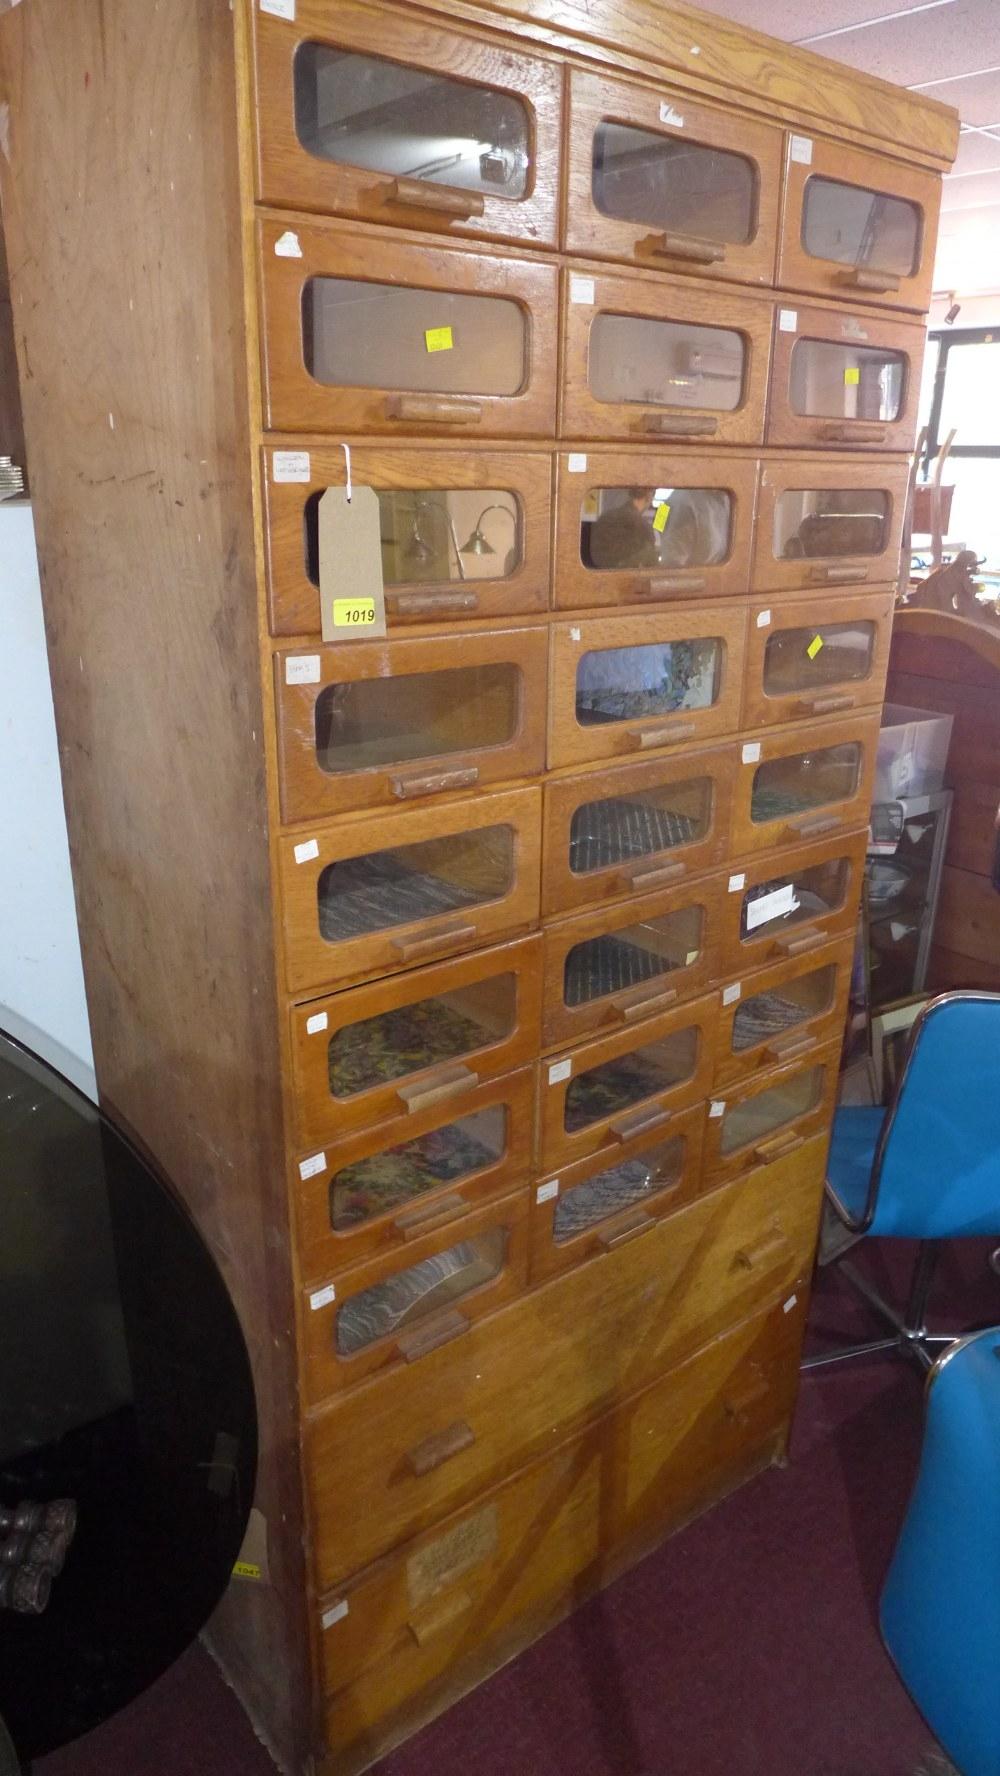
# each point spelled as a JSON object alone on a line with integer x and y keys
{"x": 625, "y": 684}
{"x": 368, "y": 335}
{"x": 407, "y": 1038}
{"x": 384, "y": 1181}
{"x": 412, "y": 1295}
{"x": 362, "y": 111}
{"x": 665, "y": 363}
{"x": 771, "y": 907}
{"x": 622, "y": 1186}
{"x": 819, "y": 655}
{"x": 673, "y": 184}
{"x": 435, "y": 534}
{"x": 832, "y": 381}
{"x": 786, "y": 786}
{"x": 618, "y": 960}
{"x": 761, "y": 1115}
{"x": 655, "y": 527}
{"x": 619, "y": 829}
{"x": 372, "y": 722}
{"x": 830, "y": 521}
{"x": 379, "y": 889}
{"x": 766, "y": 1016}
{"x": 614, "y": 1086}
{"x": 867, "y": 229}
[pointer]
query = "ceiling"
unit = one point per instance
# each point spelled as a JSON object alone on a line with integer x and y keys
{"x": 948, "y": 49}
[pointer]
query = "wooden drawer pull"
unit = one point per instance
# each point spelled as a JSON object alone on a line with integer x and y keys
{"x": 677, "y": 425}
{"x": 796, "y": 943}
{"x": 683, "y": 246}
{"x": 446, "y": 1083}
{"x": 854, "y": 432}
{"x": 640, "y": 1122}
{"x": 438, "y": 1616}
{"x": 828, "y": 575}
{"x": 656, "y": 878}
{"x": 815, "y": 827}
{"x": 408, "y": 947}
{"x": 434, "y": 1451}
{"x": 639, "y": 739}
{"x": 434, "y": 409}
{"x": 664, "y": 584}
{"x": 434, "y": 782}
{"x": 438, "y": 1330}
{"x": 825, "y": 705}
{"x": 778, "y": 1147}
{"x": 416, "y": 1222}
{"x": 621, "y": 1231}
{"x": 765, "y": 1255}
{"x": 860, "y": 279}
{"x": 634, "y": 1006}
{"x": 417, "y": 194}
{"x": 419, "y": 604}
{"x": 790, "y": 1047}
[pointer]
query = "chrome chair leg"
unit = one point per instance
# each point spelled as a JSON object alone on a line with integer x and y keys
{"x": 908, "y": 1330}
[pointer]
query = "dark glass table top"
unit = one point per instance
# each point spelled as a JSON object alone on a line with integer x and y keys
{"x": 125, "y": 1386}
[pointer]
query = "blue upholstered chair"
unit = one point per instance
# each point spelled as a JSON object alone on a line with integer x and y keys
{"x": 941, "y": 1602}
{"x": 928, "y": 1167}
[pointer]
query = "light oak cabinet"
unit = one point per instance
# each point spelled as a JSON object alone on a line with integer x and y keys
{"x": 828, "y": 522}
{"x": 844, "y": 378}
{"x": 804, "y": 782}
{"x": 801, "y": 663}
{"x": 782, "y": 1011}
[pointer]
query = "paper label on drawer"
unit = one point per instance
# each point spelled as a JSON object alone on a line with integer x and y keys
{"x": 445, "y": 1559}
{"x": 737, "y": 882}
{"x": 287, "y": 245}
{"x": 691, "y": 957}
{"x": 354, "y": 613}
{"x": 575, "y": 635}
{"x": 302, "y": 669}
{"x": 814, "y": 646}
{"x": 247, "y": 1569}
{"x": 560, "y": 1070}
{"x": 576, "y": 462}
{"x": 731, "y": 993}
{"x": 305, "y": 852}
{"x": 788, "y": 320}
{"x": 717, "y": 1108}
{"x": 546, "y": 1192}
{"x": 660, "y": 519}
{"x": 669, "y": 115}
{"x": 282, "y": 9}
{"x": 751, "y": 752}
{"x": 322, "y": 1297}
{"x": 582, "y": 290}
{"x": 801, "y": 149}
{"x": 351, "y": 587}
{"x": 772, "y": 906}
{"x": 852, "y": 375}
{"x": 763, "y": 619}
{"x": 290, "y": 465}
{"x": 789, "y": 1304}
{"x": 438, "y": 339}
{"x": 336, "y": 1612}
{"x": 309, "y": 1167}
{"x": 319, "y": 1021}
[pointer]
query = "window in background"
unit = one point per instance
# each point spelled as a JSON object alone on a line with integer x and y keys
{"x": 964, "y": 394}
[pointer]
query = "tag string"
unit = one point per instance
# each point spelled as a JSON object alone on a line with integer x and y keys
{"x": 346, "y": 448}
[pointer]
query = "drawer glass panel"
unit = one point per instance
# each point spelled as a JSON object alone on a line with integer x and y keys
{"x": 379, "y": 889}
{"x": 623, "y": 1185}
{"x": 364, "y": 111}
{"x": 822, "y": 654}
{"x": 832, "y": 381}
{"x": 641, "y": 824}
{"x": 794, "y": 899}
{"x": 655, "y": 527}
{"x": 361, "y": 335}
{"x": 759, "y": 1116}
{"x": 434, "y": 534}
{"x": 639, "y": 176}
{"x": 665, "y": 363}
{"x": 407, "y": 1038}
{"x": 412, "y": 1295}
{"x": 657, "y": 678}
{"x": 386, "y": 721}
{"x": 789, "y": 786}
{"x": 614, "y": 1086}
{"x": 853, "y": 226}
{"x": 767, "y": 1016}
{"x": 383, "y": 1182}
{"x": 830, "y": 521}
{"x": 617, "y": 960}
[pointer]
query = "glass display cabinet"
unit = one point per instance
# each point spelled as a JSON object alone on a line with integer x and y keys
{"x": 828, "y": 524}
{"x": 770, "y": 1119}
{"x": 789, "y": 904}
{"x": 844, "y": 378}
{"x": 800, "y": 663}
{"x": 803, "y": 783}
{"x": 783, "y": 1011}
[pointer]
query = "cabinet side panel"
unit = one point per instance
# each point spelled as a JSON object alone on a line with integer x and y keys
{"x": 120, "y": 192}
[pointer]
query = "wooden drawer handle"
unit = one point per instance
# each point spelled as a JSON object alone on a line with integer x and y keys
{"x": 640, "y": 1122}
{"x": 419, "y": 604}
{"x": 638, "y": 739}
{"x": 446, "y": 1083}
{"x": 438, "y": 1330}
{"x": 788, "y": 1048}
{"x": 825, "y": 705}
{"x": 434, "y": 782}
{"x": 814, "y": 828}
{"x": 683, "y": 246}
{"x": 442, "y": 1614}
{"x": 418, "y": 194}
{"x": 656, "y": 878}
{"x": 621, "y": 1231}
{"x": 408, "y": 947}
{"x": 796, "y": 943}
{"x": 429, "y": 1216}
{"x": 677, "y": 425}
{"x": 664, "y": 584}
{"x": 828, "y": 575}
{"x": 434, "y": 409}
{"x": 777, "y": 1148}
{"x": 854, "y": 432}
{"x": 763, "y": 1256}
{"x": 633, "y": 1005}
{"x": 860, "y": 279}
{"x": 434, "y": 1451}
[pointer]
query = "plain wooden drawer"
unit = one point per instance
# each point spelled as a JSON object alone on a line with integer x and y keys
{"x": 828, "y": 521}
{"x": 805, "y": 782}
{"x": 844, "y": 378}
{"x": 809, "y": 657}
{"x": 791, "y": 904}
{"x": 437, "y": 509}
{"x": 393, "y": 1457}
{"x": 781, "y": 1012}
{"x": 773, "y": 1117}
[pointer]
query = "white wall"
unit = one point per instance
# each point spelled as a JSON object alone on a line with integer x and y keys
{"x": 42, "y": 998}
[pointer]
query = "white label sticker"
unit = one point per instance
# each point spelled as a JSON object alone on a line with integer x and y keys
{"x": 335, "y": 1613}
{"x": 575, "y": 635}
{"x": 302, "y": 669}
{"x": 319, "y": 1021}
{"x": 559, "y": 1071}
{"x": 576, "y": 462}
{"x": 692, "y": 956}
{"x": 305, "y": 852}
{"x": 309, "y": 1167}
{"x": 772, "y": 906}
{"x": 801, "y": 149}
{"x": 546, "y": 1192}
{"x": 581, "y": 289}
{"x": 717, "y": 1108}
{"x": 731, "y": 993}
{"x": 751, "y": 752}
{"x": 737, "y": 882}
{"x": 287, "y": 245}
{"x": 789, "y": 1304}
{"x": 322, "y": 1298}
{"x": 788, "y": 320}
{"x": 763, "y": 619}
{"x": 282, "y": 9}
{"x": 291, "y": 465}
{"x": 669, "y": 115}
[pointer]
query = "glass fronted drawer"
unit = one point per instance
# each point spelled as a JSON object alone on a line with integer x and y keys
{"x": 758, "y": 1124}
{"x": 641, "y": 526}
{"x": 803, "y": 783}
{"x": 401, "y": 1305}
{"x": 626, "y": 684}
{"x": 828, "y": 523}
{"x": 622, "y": 964}
{"x": 857, "y": 224}
{"x": 782, "y": 1012}
{"x": 800, "y": 663}
{"x": 634, "y": 828}
{"x": 680, "y": 186}
{"x": 839, "y": 377}
{"x": 598, "y": 1204}
{"x": 620, "y": 1086}
{"x": 365, "y": 333}
{"x": 381, "y": 722}
{"x": 373, "y": 115}
{"x": 464, "y": 534}
{"x": 658, "y": 357}
{"x": 387, "y": 1187}
{"x": 367, "y": 897}
{"x": 793, "y": 903}
{"x": 387, "y": 1052}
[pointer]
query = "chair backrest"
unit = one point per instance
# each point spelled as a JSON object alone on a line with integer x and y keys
{"x": 937, "y": 1167}
{"x": 940, "y": 1610}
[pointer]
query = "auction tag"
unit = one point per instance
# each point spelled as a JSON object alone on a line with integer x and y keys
{"x": 814, "y": 646}
{"x": 438, "y": 339}
{"x": 772, "y": 906}
{"x": 302, "y": 669}
{"x": 351, "y": 592}
{"x": 852, "y": 375}
{"x": 290, "y": 465}
{"x": 731, "y": 993}
{"x": 560, "y": 1070}
{"x": 716, "y": 1109}
{"x": 662, "y": 514}
{"x": 788, "y": 320}
{"x": 669, "y": 115}
{"x": 581, "y": 289}
{"x": 737, "y": 882}
{"x": 764, "y": 619}
{"x": 751, "y": 752}
{"x": 576, "y": 462}
{"x": 546, "y": 1192}
{"x": 282, "y": 9}
{"x": 319, "y": 1021}
{"x": 801, "y": 149}
{"x": 308, "y": 1168}
{"x": 247, "y": 1569}
{"x": 307, "y": 851}
{"x": 322, "y": 1297}
{"x": 288, "y": 245}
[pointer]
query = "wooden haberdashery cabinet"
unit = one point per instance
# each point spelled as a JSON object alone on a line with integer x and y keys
{"x": 478, "y": 981}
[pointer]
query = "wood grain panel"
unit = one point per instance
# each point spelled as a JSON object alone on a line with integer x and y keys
{"x": 11, "y": 419}
{"x": 769, "y": 628}
{"x": 795, "y": 329}
{"x": 743, "y": 953}
{"x": 788, "y": 981}
{"x": 968, "y": 919}
{"x": 824, "y": 474}
{"x": 774, "y": 1116}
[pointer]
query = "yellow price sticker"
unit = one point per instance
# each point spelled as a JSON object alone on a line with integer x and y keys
{"x": 662, "y": 514}
{"x": 438, "y": 339}
{"x": 353, "y": 613}
{"x": 852, "y": 375}
{"x": 814, "y": 646}
{"x": 245, "y": 1569}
